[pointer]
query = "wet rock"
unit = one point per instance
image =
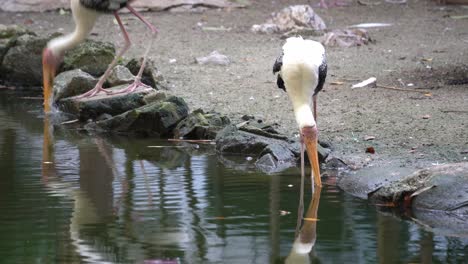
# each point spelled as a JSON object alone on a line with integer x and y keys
{"x": 271, "y": 152}
{"x": 120, "y": 75}
{"x": 233, "y": 141}
{"x": 22, "y": 60}
{"x": 292, "y": 18}
{"x": 155, "y": 96}
{"x": 154, "y": 119}
{"x": 151, "y": 75}
{"x": 276, "y": 157}
{"x": 200, "y": 125}
{"x": 92, "y": 107}
{"x": 440, "y": 188}
{"x": 90, "y": 56}
{"x": 71, "y": 83}
{"x": 365, "y": 181}
{"x": 7, "y": 36}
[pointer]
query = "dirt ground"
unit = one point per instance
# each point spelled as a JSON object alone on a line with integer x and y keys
{"x": 424, "y": 47}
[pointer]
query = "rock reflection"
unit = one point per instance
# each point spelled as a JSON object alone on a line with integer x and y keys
{"x": 305, "y": 240}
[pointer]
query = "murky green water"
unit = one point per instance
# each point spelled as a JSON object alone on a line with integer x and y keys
{"x": 82, "y": 198}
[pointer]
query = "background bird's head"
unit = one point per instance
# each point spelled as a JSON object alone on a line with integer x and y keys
{"x": 50, "y": 63}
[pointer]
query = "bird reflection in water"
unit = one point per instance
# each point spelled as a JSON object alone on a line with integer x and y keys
{"x": 93, "y": 200}
{"x": 306, "y": 236}
{"x": 48, "y": 167}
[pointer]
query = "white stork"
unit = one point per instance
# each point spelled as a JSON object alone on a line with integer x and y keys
{"x": 302, "y": 71}
{"x": 85, "y": 14}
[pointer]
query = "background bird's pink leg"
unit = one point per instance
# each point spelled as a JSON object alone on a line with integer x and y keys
{"x": 98, "y": 88}
{"x": 137, "y": 83}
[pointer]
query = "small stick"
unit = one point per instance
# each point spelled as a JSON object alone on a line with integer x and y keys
{"x": 70, "y": 122}
{"x": 402, "y": 89}
{"x": 32, "y": 98}
{"x": 207, "y": 141}
{"x": 7, "y": 87}
{"x": 454, "y": 111}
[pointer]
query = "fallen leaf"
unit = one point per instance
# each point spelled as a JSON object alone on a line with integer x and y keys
{"x": 428, "y": 94}
{"x": 426, "y": 116}
{"x": 370, "y": 150}
{"x": 367, "y": 138}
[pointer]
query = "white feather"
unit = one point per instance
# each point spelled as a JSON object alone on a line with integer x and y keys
{"x": 301, "y": 62}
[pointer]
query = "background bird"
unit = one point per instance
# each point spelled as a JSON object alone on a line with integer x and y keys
{"x": 85, "y": 14}
{"x": 302, "y": 70}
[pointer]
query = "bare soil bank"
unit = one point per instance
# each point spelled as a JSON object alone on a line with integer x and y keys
{"x": 424, "y": 47}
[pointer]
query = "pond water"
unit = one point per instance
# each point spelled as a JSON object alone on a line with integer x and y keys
{"x": 71, "y": 197}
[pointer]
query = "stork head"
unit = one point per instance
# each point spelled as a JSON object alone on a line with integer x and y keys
{"x": 50, "y": 64}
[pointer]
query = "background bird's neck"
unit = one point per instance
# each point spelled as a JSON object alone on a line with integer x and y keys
{"x": 84, "y": 22}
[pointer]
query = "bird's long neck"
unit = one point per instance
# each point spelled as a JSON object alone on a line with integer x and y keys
{"x": 304, "y": 115}
{"x": 300, "y": 91}
{"x": 84, "y": 22}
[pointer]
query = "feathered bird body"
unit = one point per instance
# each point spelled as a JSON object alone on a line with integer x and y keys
{"x": 302, "y": 70}
{"x": 107, "y": 6}
{"x": 85, "y": 19}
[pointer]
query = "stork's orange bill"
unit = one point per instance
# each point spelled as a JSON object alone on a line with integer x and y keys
{"x": 48, "y": 75}
{"x": 310, "y": 141}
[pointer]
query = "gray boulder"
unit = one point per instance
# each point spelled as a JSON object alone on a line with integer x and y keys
{"x": 440, "y": 188}
{"x": 155, "y": 119}
{"x": 71, "y": 83}
{"x": 120, "y": 75}
{"x": 22, "y": 60}
{"x": 361, "y": 183}
{"x": 90, "y": 56}
{"x": 151, "y": 75}
{"x": 200, "y": 125}
{"x": 8, "y": 34}
{"x": 93, "y": 107}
